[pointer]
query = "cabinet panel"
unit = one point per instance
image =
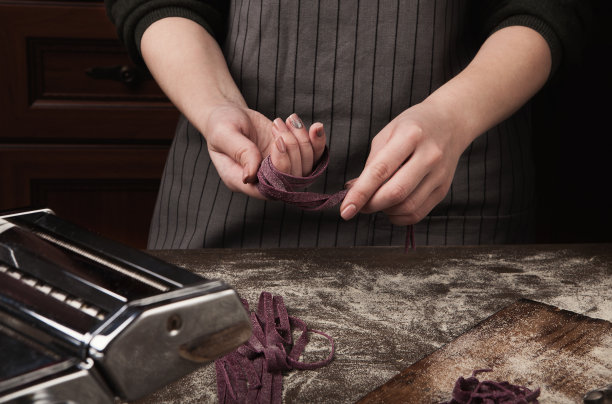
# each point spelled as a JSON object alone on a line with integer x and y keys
{"x": 48, "y": 91}
{"x": 107, "y": 189}
{"x": 94, "y": 70}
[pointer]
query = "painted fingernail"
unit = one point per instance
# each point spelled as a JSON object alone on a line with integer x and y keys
{"x": 280, "y": 144}
{"x": 348, "y": 212}
{"x": 320, "y": 132}
{"x": 296, "y": 122}
{"x": 279, "y": 124}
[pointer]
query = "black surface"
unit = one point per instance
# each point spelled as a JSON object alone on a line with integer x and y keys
{"x": 573, "y": 142}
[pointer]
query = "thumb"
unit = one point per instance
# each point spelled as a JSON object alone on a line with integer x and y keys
{"x": 237, "y": 146}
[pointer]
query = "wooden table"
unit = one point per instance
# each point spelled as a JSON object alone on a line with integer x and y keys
{"x": 388, "y": 310}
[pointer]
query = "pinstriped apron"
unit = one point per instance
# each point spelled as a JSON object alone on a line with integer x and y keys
{"x": 352, "y": 65}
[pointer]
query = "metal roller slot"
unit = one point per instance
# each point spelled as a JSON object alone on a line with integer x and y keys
{"x": 102, "y": 261}
{"x": 73, "y": 301}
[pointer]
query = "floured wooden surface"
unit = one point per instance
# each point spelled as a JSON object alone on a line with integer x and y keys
{"x": 528, "y": 344}
{"x": 387, "y": 310}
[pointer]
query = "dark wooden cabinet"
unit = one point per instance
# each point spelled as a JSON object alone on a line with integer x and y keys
{"x": 83, "y": 131}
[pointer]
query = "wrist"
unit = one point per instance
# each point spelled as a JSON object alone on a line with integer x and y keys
{"x": 510, "y": 67}
{"x": 451, "y": 119}
{"x": 217, "y": 110}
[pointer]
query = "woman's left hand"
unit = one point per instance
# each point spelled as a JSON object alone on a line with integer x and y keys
{"x": 413, "y": 159}
{"x": 410, "y": 167}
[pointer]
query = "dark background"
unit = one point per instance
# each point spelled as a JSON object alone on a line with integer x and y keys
{"x": 574, "y": 145}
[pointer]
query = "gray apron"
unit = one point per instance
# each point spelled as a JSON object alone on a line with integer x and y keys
{"x": 352, "y": 65}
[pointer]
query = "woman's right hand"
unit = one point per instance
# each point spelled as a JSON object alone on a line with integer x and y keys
{"x": 189, "y": 66}
{"x": 239, "y": 138}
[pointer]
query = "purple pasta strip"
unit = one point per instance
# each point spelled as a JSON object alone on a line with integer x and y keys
{"x": 278, "y": 186}
{"x": 473, "y": 391}
{"x": 253, "y": 373}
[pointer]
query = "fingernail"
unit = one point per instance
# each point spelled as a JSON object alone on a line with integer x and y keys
{"x": 349, "y": 212}
{"x": 349, "y": 183}
{"x": 279, "y": 124}
{"x": 320, "y": 132}
{"x": 245, "y": 175}
{"x": 280, "y": 144}
{"x": 296, "y": 122}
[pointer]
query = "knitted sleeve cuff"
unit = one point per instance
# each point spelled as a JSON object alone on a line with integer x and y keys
{"x": 540, "y": 26}
{"x": 165, "y": 12}
{"x": 158, "y": 14}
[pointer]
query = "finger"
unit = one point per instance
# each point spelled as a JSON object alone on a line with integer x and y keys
{"x": 291, "y": 144}
{"x": 403, "y": 183}
{"x": 280, "y": 158}
{"x": 380, "y": 168}
{"x": 375, "y": 148}
{"x": 349, "y": 183}
{"x": 296, "y": 126}
{"x": 401, "y": 216}
{"x": 317, "y": 139}
{"x": 240, "y": 149}
{"x": 251, "y": 190}
{"x": 419, "y": 203}
{"x": 232, "y": 175}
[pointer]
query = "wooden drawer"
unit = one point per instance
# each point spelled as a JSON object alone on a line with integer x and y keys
{"x": 95, "y": 71}
{"x": 107, "y": 189}
{"x": 48, "y": 92}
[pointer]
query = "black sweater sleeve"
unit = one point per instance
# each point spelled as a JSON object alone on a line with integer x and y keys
{"x": 564, "y": 24}
{"x": 133, "y": 17}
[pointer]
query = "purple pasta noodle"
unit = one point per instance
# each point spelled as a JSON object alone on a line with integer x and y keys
{"x": 474, "y": 391}
{"x": 253, "y": 373}
{"x": 279, "y": 186}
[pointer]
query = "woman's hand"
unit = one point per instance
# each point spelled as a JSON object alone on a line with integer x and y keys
{"x": 297, "y": 149}
{"x": 413, "y": 159}
{"x": 410, "y": 167}
{"x": 237, "y": 139}
{"x": 189, "y": 66}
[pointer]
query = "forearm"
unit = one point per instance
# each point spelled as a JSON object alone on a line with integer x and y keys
{"x": 413, "y": 160}
{"x": 511, "y": 66}
{"x": 189, "y": 66}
